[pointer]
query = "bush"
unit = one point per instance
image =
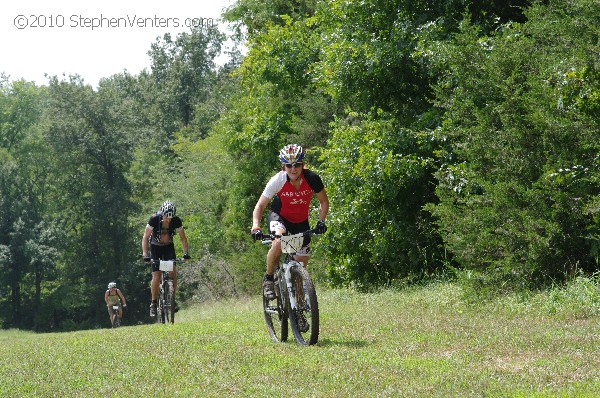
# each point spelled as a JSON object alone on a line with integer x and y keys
{"x": 516, "y": 193}
{"x": 378, "y": 177}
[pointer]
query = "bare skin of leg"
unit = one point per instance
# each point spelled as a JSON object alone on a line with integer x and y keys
{"x": 110, "y": 314}
{"x": 154, "y": 284}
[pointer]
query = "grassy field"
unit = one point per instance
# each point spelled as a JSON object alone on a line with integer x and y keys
{"x": 417, "y": 342}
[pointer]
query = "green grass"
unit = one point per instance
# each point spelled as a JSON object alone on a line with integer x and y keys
{"x": 416, "y": 342}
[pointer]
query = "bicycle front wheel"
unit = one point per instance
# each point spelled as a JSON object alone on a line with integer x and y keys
{"x": 275, "y": 310}
{"x": 304, "y": 319}
{"x": 160, "y": 308}
{"x": 161, "y": 305}
{"x": 116, "y": 320}
{"x": 170, "y": 304}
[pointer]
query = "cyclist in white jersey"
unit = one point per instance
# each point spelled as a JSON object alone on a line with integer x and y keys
{"x": 291, "y": 190}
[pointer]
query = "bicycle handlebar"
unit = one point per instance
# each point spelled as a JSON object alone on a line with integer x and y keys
{"x": 177, "y": 260}
{"x": 268, "y": 238}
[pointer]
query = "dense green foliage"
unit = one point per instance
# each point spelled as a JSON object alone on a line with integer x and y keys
{"x": 379, "y": 233}
{"x": 518, "y": 186}
{"x": 453, "y": 137}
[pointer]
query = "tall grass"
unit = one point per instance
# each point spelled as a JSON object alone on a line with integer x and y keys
{"x": 416, "y": 342}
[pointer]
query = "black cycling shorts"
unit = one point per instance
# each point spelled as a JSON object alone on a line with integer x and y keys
{"x": 161, "y": 252}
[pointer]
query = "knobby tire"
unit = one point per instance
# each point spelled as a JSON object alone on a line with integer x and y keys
{"x": 308, "y": 307}
{"x": 160, "y": 309}
{"x": 170, "y": 313}
{"x": 166, "y": 303}
{"x": 276, "y": 316}
{"x": 116, "y": 321}
{"x": 161, "y": 304}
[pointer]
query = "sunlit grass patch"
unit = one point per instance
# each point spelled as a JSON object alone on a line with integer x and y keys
{"x": 422, "y": 341}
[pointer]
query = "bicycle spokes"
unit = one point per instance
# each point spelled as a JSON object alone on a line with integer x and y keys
{"x": 275, "y": 312}
{"x": 304, "y": 319}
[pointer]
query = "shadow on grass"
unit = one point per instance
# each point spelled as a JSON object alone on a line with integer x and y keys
{"x": 344, "y": 343}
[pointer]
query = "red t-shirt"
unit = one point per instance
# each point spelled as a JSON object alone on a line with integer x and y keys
{"x": 293, "y": 204}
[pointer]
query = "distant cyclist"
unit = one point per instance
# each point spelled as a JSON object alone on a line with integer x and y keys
{"x": 159, "y": 234}
{"x": 292, "y": 189}
{"x": 113, "y": 296}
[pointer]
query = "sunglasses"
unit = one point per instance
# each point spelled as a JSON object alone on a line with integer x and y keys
{"x": 295, "y": 165}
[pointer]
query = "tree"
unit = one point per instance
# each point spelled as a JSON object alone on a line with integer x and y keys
{"x": 252, "y": 17}
{"x": 183, "y": 72}
{"x": 517, "y": 187}
{"x": 379, "y": 176}
{"x": 92, "y": 137}
{"x": 24, "y": 200}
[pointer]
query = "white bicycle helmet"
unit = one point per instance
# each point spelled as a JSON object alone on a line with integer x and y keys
{"x": 112, "y": 285}
{"x": 291, "y": 153}
{"x": 168, "y": 209}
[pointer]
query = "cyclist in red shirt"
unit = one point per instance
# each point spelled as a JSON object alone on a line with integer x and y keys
{"x": 291, "y": 190}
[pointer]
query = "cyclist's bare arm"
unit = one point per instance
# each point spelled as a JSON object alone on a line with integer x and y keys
{"x": 259, "y": 209}
{"x": 183, "y": 237}
{"x": 122, "y": 298}
{"x": 145, "y": 239}
{"x": 323, "y": 204}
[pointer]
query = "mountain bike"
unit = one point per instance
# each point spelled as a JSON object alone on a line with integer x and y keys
{"x": 165, "y": 301}
{"x": 116, "y": 321}
{"x": 295, "y": 295}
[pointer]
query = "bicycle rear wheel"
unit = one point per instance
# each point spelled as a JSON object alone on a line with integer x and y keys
{"x": 275, "y": 311}
{"x": 304, "y": 320}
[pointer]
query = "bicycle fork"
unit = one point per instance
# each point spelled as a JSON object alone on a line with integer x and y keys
{"x": 287, "y": 268}
{"x": 169, "y": 285}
